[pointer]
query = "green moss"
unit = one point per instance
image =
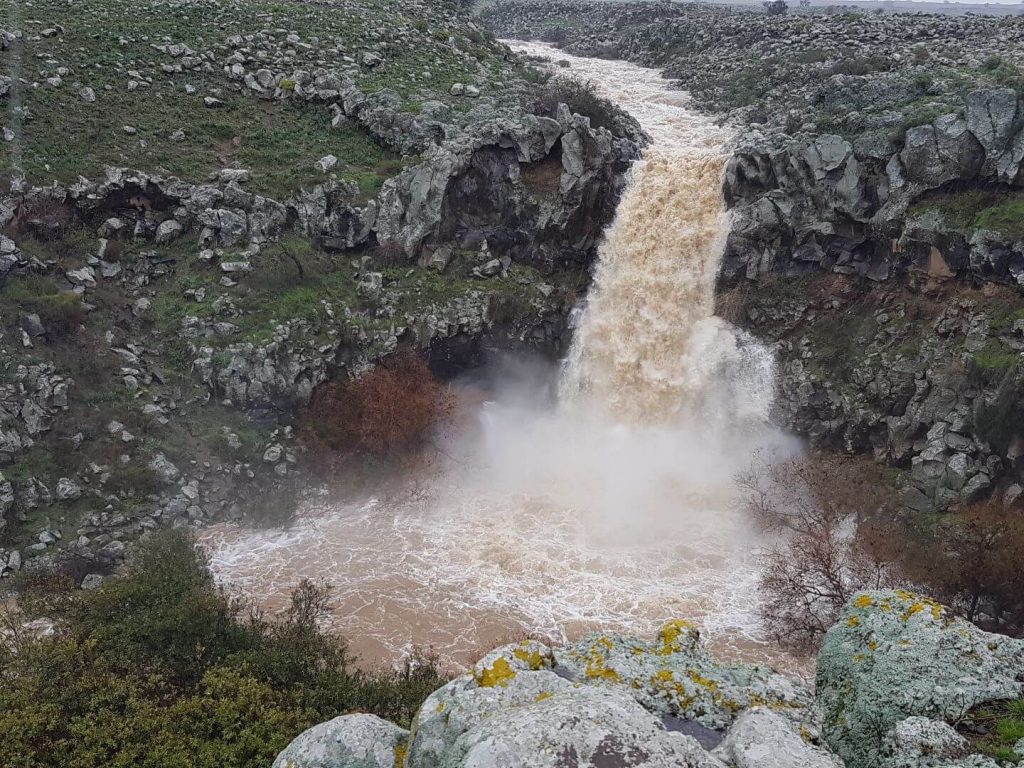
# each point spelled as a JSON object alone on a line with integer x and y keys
{"x": 995, "y": 358}
{"x": 1001, "y": 212}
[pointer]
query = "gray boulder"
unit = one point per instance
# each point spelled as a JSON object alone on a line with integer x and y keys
{"x": 918, "y": 742}
{"x": 894, "y": 655}
{"x": 941, "y": 152}
{"x": 761, "y": 738}
{"x": 349, "y": 741}
{"x": 585, "y": 727}
{"x": 512, "y": 710}
{"x": 994, "y": 117}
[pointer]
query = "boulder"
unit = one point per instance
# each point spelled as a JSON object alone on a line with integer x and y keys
{"x": 919, "y": 741}
{"x": 894, "y": 655}
{"x": 941, "y": 152}
{"x": 349, "y": 741}
{"x": 676, "y": 675}
{"x": 513, "y": 710}
{"x": 995, "y": 118}
{"x": 761, "y": 738}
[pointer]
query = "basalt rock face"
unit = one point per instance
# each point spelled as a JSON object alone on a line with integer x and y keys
{"x": 866, "y": 207}
{"x": 538, "y": 191}
{"x": 895, "y": 677}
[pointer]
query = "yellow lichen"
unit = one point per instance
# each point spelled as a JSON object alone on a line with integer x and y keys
{"x": 401, "y": 752}
{"x": 872, "y": 645}
{"x": 805, "y": 734}
{"x": 497, "y": 675}
{"x": 533, "y": 659}
{"x": 853, "y": 621}
{"x": 544, "y": 695}
{"x": 671, "y": 633}
{"x": 440, "y": 707}
{"x": 863, "y": 601}
{"x": 704, "y": 682}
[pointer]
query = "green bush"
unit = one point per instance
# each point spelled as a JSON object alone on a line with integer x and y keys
{"x": 158, "y": 667}
{"x": 581, "y": 97}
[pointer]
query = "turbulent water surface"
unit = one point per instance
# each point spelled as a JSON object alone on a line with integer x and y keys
{"x": 613, "y": 509}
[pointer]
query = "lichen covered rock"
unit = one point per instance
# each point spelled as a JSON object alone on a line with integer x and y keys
{"x": 584, "y": 726}
{"x": 893, "y": 655}
{"x": 675, "y": 675}
{"x": 761, "y": 738}
{"x": 350, "y": 741}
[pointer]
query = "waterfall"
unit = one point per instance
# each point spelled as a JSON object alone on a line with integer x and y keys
{"x": 615, "y": 509}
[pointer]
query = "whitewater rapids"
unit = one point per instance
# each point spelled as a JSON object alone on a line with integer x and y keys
{"x": 616, "y": 508}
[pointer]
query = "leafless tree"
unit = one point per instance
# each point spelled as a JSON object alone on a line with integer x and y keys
{"x": 825, "y": 513}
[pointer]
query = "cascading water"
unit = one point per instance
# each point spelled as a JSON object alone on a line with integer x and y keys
{"x": 614, "y": 509}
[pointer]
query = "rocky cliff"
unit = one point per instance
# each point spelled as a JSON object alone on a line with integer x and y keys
{"x": 900, "y": 684}
{"x": 335, "y": 193}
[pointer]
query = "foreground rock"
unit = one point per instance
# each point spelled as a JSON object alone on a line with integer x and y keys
{"x": 895, "y": 676}
{"x": 896, "y": 655}
{"x": 353, "y": 741}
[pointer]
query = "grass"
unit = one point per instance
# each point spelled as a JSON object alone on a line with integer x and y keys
{"x": 994, "y": 729}
{"x": 106, "y": 44}
{"x": 999, "y": 211}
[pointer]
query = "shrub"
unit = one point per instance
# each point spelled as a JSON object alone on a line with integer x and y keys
{"x": 45, "y": 218}
{"x": 971, "y": 560}
{"x": 385, "y": 412}
{"x": 831, "y": 514}
{"x": 581, "y": 97}
{"x": 181, "y": 674}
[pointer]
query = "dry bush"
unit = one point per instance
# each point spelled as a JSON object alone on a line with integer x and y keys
{"x": 830, "y": 515}
{"x": 390, "y": 253}
{"x": 386, "y": 412}
{"x": 581, "y": 97}
{"x": 972, "y": 560}
{"x": 45, "y": 218}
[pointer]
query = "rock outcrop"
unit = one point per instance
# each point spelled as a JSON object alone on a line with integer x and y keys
{"x": 827, "y": 202}
{"x": 896, "y": 676}
{"x": 894, "y": 656}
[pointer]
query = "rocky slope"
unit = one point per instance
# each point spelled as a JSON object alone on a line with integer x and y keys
{"x": 216, "y": 206}
{"x": 900, "y": 684}
{"x": 883, "y": 151}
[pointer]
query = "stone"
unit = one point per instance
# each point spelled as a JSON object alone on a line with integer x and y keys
{"x": 88, "y": 95}
{"x": 893, "y": 655}
{"x": 68, "y": 489}
{"x": 349, "y": 741}
{"x": 325, "y": 163}
{"x": 761, "y": 738}
{"x": 168, "y": 231}
{"x": 164, "y": 468}
{"x": 92, "y": 581}
{"x": 918, "y": 740}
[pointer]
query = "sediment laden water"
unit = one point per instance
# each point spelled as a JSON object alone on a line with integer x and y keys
{"x": 614, "y": 509}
